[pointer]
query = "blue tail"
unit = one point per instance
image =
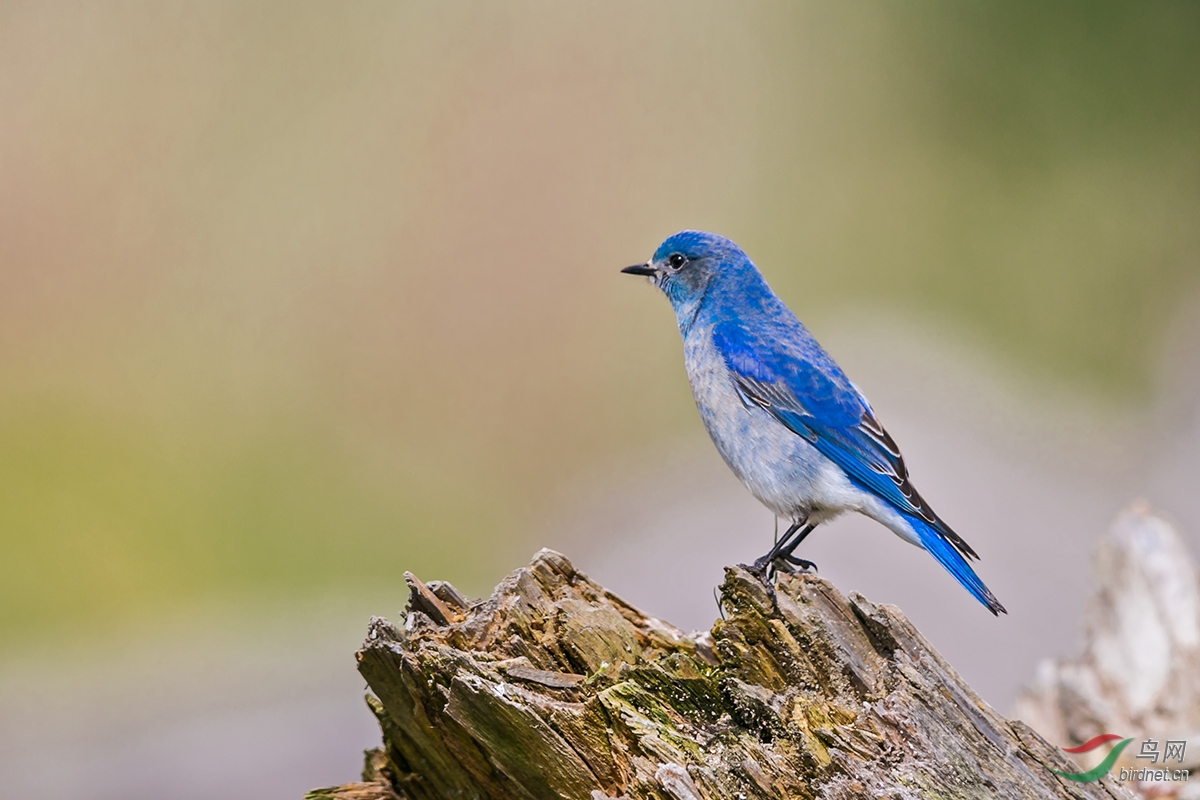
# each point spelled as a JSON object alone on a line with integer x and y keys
{"x": 941, "y": 548}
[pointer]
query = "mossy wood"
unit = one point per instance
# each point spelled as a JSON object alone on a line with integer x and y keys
{"x": 555, "y": 688}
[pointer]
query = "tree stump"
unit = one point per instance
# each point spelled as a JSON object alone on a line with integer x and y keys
{"x": 1139, "y": 672}
{"x": 555, "y": 688}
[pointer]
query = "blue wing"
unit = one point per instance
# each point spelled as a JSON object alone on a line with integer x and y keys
{"x": 783, "y": 370}
{"x": 791, "y": 377}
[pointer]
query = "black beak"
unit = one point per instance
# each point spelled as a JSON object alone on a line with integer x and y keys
{"x": 640, "y": 269}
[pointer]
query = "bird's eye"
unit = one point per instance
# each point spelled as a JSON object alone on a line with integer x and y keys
{"x": 676, "y": 260}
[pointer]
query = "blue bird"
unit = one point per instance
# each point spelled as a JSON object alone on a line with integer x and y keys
{"x": 786, "y": 419}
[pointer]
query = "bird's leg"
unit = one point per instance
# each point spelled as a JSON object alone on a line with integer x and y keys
{"x": 786, "y": 556}
{"x": 784, "y": 545}
{"x": 780, "y": 557}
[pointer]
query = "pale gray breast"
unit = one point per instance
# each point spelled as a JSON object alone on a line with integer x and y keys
{"x": 780, "y": 468}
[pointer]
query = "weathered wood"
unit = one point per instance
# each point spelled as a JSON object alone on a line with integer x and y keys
{"x": 554, "y": 688}
{"x": 1139, "y": 672}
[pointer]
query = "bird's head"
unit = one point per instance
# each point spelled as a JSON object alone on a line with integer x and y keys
{"x": 686, "y": 264}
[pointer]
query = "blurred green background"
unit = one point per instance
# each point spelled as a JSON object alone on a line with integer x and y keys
{"x": 296, "y": 296}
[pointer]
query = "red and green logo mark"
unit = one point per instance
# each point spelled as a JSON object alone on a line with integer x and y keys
{"x": 1100, "y": 770}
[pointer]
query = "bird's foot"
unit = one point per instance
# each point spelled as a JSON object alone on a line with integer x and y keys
{"x": 788, "y": 563}
{"x": 767, "y": 570}
{"x": 760, "y": 568}
{"x": 784, "y": 562}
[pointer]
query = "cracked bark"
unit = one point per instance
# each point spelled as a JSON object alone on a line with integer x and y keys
{"x": 555, "y": 688}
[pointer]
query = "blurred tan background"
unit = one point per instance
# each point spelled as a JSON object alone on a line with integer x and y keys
{"x": 294, "y": 297}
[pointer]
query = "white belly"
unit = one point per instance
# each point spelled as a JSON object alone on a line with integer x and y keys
{"x": 781, "y": 469}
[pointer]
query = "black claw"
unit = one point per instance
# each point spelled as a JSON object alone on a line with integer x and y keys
{"x": 804, "y": 564}
{"x": 760, "y": 568}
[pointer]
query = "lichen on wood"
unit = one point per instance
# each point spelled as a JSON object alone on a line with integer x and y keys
{"x": 555, "y": 688}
